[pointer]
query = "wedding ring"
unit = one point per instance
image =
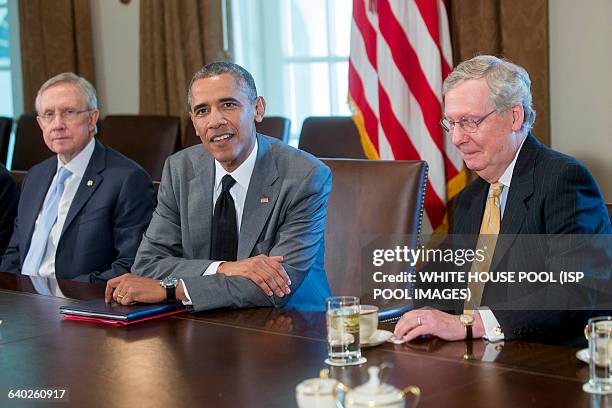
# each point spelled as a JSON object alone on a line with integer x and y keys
{"x": 419, "y": 322}
{"x": 120, "y": 296}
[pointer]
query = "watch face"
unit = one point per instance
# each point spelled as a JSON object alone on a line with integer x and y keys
{"x": 466, "y": 320}
{"x": 169, "y": 282}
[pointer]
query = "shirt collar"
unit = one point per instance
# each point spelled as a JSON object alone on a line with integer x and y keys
{"x": 506, "y": 177}
{"x": 242, "y": 174}
{"x": 78, "y": 165}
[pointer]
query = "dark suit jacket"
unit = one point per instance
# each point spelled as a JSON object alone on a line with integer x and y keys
{"x": 9, "y": 197}
{"x": 550, "y": 193}
{"x": 105, "y": 222}
{"x": 284, "y": 214}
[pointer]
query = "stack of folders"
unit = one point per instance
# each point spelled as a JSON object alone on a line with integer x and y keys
{"x": 98, "y": 311}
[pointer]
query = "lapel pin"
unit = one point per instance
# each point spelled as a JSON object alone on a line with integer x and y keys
{"x": 89, "y": 183}
{"x": 264, "y": 200}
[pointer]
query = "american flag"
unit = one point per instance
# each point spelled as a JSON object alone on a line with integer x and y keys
{"x": 400, "y": 55}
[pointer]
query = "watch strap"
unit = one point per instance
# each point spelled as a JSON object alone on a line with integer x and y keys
{"x": 468, "y": 332}
{"x": 171, "y": 293}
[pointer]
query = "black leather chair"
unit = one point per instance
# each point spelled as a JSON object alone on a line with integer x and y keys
{"x": 6, "y": 125}
{"x": 30, "y": 147}
{"x": 146, "y": 139}
{"x": 370, "y": 200}
{"x": 18, "y": 176}
{"x": 331, "y": 137}
{"x": 275, "y": 126}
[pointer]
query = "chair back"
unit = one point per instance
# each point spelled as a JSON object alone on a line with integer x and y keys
{"x": 30, "y": 147}
{"x": 146, "y": 139}
{"x": 18, "y": 176}
{"x": 275, "y": 126}
{"x": 6, "y": 125}
{"x": 370, "y": 200}
{"x": 331, "y": 137}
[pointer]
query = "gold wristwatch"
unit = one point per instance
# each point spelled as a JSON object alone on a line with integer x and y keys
{"x": 467, "y": 320}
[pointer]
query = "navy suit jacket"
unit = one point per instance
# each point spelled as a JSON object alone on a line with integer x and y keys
{"x": 550, "y": 193}
{"x": 104, "y": 224}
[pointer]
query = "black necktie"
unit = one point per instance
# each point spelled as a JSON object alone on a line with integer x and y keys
{"x": 224, "y": 227}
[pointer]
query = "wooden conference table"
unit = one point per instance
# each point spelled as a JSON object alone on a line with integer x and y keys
{"x": 248, "y": 358}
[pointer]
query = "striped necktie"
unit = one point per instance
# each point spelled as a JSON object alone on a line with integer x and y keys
{"x": 489, "y": 230}
{"x": 43, "y": 227}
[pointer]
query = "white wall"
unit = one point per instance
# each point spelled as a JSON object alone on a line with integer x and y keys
{"x": 581, "y": 84}
{"x": 115, "y": 36}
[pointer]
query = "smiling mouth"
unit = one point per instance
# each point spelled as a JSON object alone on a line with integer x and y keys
{"x": 221, "y": 138}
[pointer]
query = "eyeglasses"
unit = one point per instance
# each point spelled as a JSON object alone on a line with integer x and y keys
{"x": 468, "y": 125}
{"x": 67, "y": 115}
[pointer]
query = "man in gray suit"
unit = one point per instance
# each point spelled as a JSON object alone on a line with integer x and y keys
{"x": 240, "y": 220}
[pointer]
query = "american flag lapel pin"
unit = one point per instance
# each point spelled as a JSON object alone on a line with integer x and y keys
{"x": 264, "y": 200}
{"x": 89, "y": 183}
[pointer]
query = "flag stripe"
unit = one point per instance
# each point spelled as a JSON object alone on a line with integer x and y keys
{"x": 406, "y": 60}
{"x": 409, "y": 114}
{"x": 403, "y": 150}
{"x": 430, "y": 12}
{"x": 400, "y": 54}
{"x": 358, "y": 95}
{"x": 367, "y": 31}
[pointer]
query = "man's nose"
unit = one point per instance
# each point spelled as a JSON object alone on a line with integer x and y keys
{"x": 216, "y": 118}
{"x": 458, "y": 135}
{"x": 58, "y": 122}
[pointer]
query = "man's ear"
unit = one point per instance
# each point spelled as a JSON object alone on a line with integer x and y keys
{"x": 518, "y": 117}
{"x": 93, "y": 119}
{"x": 260, "y": 108}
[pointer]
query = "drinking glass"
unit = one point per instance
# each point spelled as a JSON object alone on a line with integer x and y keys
{"x": 343, "y": 329}
{"x": 600, "y": 355}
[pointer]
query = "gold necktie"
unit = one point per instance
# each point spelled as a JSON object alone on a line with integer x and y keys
{"x": 489, "y": 229}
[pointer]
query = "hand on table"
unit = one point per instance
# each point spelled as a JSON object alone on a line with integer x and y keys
{"x": 265, "y": 271}
{"x": 130, "y": 289}
{"x": 422, "y": 322}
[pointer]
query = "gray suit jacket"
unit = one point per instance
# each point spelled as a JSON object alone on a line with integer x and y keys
{"x": 289, "y": 223}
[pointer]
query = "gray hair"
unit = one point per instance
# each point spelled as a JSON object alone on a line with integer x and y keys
{"x": 87, "y": 90}
{"x": 221, "y": 67}
{"x": 509, "y": 84}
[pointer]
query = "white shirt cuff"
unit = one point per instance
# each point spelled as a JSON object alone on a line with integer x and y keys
{"x": 188, "y": 302}
{"x": 493, "y": 331}
{"x": 212, "y": 268}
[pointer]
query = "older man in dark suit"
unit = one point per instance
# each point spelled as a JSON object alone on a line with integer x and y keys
{"x": 82, "y": 212}
{"x": 523, "y": 188}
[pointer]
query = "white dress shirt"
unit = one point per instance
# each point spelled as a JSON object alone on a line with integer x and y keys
{"x": 491, "y": 325}
{"x": 77, "y": 167}
{"x": 238, "y": 191}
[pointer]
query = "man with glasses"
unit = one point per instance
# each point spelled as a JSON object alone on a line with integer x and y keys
{"x": 523, "y": 188}
{"x": 82, "y": 212}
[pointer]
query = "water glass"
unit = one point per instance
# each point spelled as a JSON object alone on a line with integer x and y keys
{"x": 600, "y": 355}
{"x": 343, "y": 329}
